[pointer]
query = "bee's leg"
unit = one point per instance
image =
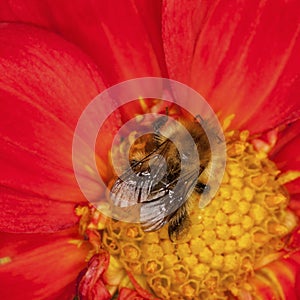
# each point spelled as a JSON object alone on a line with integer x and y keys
{"x": 179, "y": 224}
{"x": 202, "y": 188}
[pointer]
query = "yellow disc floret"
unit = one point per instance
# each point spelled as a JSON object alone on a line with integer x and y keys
{"x": 245, "y": 223}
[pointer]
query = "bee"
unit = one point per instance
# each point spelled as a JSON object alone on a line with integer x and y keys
{"x": 161, "y": 180}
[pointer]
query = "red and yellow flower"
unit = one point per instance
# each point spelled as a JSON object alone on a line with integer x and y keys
{"x": 55, "y": 57}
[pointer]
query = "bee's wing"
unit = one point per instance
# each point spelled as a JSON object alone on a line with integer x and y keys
{"x": 135, "y": 187}
{"x": 154, "y": 214}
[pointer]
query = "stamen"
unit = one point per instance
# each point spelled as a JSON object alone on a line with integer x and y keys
{"x": 228, "y": 239}
{"x": 242, "y": 229}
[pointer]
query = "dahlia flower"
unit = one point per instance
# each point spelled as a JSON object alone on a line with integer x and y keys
{"x": 56, "y": 56}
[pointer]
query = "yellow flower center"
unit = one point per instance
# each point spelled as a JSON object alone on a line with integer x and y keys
{"x": 228, "y": 240}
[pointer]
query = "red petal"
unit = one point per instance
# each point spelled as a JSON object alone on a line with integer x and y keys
{"x": 181, "y": 25}
{"x": 297, "y": 284}
{"x": 45, "y": 84}
{"x": 92, "y": 285}
{"x": 141, "y": 291}
{"x": 285, "y": 135}
{"x": 286, "y": 154}
{"x": 245, "y": 57}
{"x": 42, "y": 265}
{"x": 279, "y": 279}
{"x": 128, "y": 294}
{"x": 124, "y": 38}
{"x": 294, "y": 240}
{"x": 295, "y": 200}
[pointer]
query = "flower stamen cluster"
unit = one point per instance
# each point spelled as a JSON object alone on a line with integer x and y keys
{"x": 243, "y": 226}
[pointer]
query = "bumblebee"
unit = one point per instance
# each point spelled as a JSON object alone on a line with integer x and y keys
{"x": 161, "y": 179}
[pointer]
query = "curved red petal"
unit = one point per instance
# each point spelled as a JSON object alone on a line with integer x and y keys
{"x": 287, "y": 158}
{"x": 128, "y": 294}
{"x": 91, "y": 282}
{"x": 45, "y": 84}
{"x": 41, "y": 265}
{"x": 140, "y": 290}
{"x": 295, "y": 200}
{"x": 243, "y": 58}
{"x": 285, "y": 135}
{"x": 123, "y": 37}
{"x": 293, "y": 242}
{"x": 279, "y": 279}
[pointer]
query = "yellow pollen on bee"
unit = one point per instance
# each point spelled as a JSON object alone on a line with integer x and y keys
{"x": 243, "y": 227}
